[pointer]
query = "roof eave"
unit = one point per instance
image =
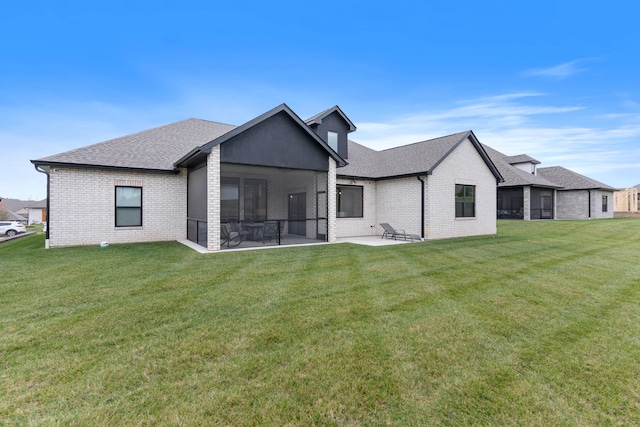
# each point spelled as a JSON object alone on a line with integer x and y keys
{"x": 103, "y": 167}
{"x": 382, "y": 178}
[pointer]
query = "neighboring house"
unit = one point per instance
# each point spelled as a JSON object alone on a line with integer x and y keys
{"x": 15, "y": 216}
{"x": 21, "y": 208}
{"x": 529, "y": 192}
{"x": 579, "y": 197}
{"x": 36, "y": 214}
{"x": 183, "y": 180}
{"x": 626, "y": 200}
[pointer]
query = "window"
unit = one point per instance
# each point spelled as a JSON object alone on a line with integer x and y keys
{"x": 605, "y": 204}
{"x": 465, "y": 201}
{"x": 349, "y": 201}
{"x": 128, "y": 206}
{"x": 332, "y": 140}
{"x": 229, "y": 199}
{"x": 255, "y": 199}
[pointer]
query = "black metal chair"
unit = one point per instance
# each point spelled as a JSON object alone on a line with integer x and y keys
{"x": 269, "y": 231}
{"x": 237, "y": 227}
{"x": 229, "y": 237}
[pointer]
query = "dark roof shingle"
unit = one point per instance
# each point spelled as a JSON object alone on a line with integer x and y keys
{"x": 514, "y": 176}
{"x": 420, "y": 157}
{"x": 155, "y": 149}
{"x": 570, "y": 180}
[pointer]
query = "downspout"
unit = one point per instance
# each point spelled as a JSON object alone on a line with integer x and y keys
{"x": 46, "y": 242}
{"x": 421, "y": 208}
{"x": 589, "y": 192}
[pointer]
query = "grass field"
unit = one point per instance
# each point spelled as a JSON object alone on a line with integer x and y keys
{"x": 539, "y": 325}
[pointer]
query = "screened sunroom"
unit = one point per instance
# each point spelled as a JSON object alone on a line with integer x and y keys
{"x": 260, "y": 206}
{"x": 268, "y": 182}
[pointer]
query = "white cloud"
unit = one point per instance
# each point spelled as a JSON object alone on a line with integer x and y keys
{"x": 561, "y": 71}
{"x": 511, "y": 124}
{"x": 490, "y": 114}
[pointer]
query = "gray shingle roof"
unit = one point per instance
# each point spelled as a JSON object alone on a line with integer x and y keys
{"x": 155, "y": 149}
{"x": 420, "y": 157}
{"x": 514, "y": 176}
{"x": 570, "y": 180}
{"x": 552, "y": 177}
{"x": 13, "y": 216}
{"x": 522, "y": 158}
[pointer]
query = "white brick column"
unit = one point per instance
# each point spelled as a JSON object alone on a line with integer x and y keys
{"x": 526, "y": 199}
{"x": 331, "y": 202}
{"x": 213, "y": 199}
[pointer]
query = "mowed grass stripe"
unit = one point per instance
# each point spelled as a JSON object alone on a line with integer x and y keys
{"x": 537, "y": 325}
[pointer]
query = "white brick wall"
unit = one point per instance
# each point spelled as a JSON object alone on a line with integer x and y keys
{"x": 213, "y": 199}
{"x": 398, "y": 204}
{"x": 82, "y": 203}
{"x": 331, "y": 202}
{"x": 463, "y": 166}
{"x": 397, "y": 201}
{"x": 346, "y": 227}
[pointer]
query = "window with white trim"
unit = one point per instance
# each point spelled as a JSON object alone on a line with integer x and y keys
{"x": 332, "y": 140}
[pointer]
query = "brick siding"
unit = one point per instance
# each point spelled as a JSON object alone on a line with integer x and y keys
{"x": 82, "y": 204}
{"x": 397, "y": 201}
{"x": 463, "y": 166}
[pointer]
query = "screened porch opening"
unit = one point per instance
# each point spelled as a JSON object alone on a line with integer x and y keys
{"x": 265, "y": 206}
{"x": 510, "y": 203}
{"x": 541, "y": 204}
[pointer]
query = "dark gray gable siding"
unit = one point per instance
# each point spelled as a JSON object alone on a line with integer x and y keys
{"x": 276, "y": 141}
{"x": 334, "y": 123}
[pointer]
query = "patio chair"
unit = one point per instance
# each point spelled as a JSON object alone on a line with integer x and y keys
{"x": 392, "y": 233}
{"x": 269, "y": 231}
{"x": 389, "y": 231}
{"x": 237, "y": 227}
{"x": 229, "y": 237}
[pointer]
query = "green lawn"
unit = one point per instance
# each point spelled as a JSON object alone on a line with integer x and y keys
{"x": 539, "y": 325}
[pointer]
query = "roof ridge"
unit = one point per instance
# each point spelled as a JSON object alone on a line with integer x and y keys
{"x": 202, "y": 120}
{"x": 466, "y": 132}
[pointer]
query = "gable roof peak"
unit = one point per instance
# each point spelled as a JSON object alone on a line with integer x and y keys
{"x": 420, "y": 158}
{"x": 459, "y": 136}
{"x": 317, "y": 119}
{"x": 282, "y": 108}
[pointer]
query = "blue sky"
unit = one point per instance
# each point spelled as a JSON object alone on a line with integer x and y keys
{"x": 558, "y": 80}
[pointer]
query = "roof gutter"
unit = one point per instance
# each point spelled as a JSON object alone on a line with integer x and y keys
{"x": 38, "y": 163}
{"x": 46, "y": 241}
{"x": 383, "y": 178}
{"x": 421, "y": 208}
